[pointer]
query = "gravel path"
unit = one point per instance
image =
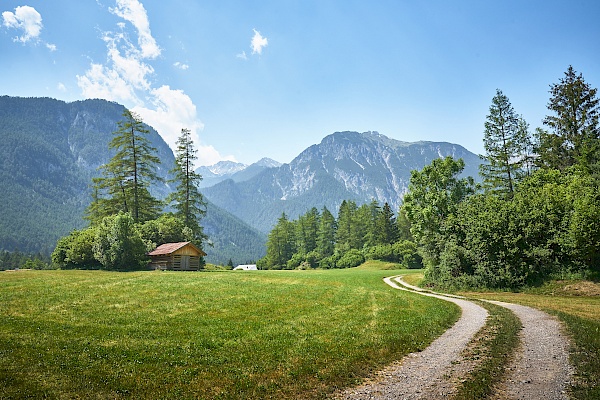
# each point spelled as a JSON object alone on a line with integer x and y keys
{"x": 540, "y": 369}
{"x": 425, "y": 375}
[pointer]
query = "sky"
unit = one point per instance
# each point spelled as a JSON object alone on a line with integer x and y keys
{"x": 269, "y": 78}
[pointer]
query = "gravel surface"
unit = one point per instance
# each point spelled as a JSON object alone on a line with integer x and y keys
{"x": 425, "y": 375}
{"x": 540, "y": 369}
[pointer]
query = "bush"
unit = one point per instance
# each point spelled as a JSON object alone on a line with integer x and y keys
{"x": 352, "y": 258}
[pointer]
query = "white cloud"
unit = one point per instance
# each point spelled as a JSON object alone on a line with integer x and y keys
{"x": 61, "y": 86}
{"x": 26, "y": 19}
{"x": 125, "y": 78}
{"x": 51, "y": 47}
{"x": 181, "y": 65}
{"x": 242, "y": 55}
{"x": 258, "y": 42}
{"x": 134, "y": 12}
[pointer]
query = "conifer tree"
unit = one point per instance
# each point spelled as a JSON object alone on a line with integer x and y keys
{"x": 385, "y": 226}
{"x": 326, "y": 234}
{"x": 127, "y": 176}
{"x": 188, "y": 201}
{"x": 505, "y": 141}
{"x": 574, "y": 134}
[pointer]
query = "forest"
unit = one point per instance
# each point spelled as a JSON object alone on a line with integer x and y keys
{"x": 535, "y": 216}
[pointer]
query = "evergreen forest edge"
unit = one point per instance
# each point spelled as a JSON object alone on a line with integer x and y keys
{"x": 535, "y": 216}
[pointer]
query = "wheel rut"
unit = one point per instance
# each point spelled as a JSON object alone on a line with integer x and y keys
{"x": 539, "y": 370}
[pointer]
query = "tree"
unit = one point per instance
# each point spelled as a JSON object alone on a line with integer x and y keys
{"x": 118, "y": 244}
{"x": 434, "y": 194}
{"x": 385, "y": 226}
{"x": 345, "y": 225}
{"x": 326, "y": 234}
{"x": 187, "y": 199}
{"x": 505, "y": 141}
{"x": 280, "y": 243}
{"x": 128, "y": 175}
{"x": 574, "y": 134}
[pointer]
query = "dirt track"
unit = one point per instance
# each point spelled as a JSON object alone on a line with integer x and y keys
{"x": 540, "y": 369}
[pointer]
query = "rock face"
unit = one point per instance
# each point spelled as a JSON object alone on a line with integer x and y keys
{"x": 345, "y": 165}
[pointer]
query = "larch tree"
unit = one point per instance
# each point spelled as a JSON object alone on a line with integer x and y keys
{"x": 126, "y": 178}
{"x": 187, "y": 200}
{"x": 574, "y": 135}
{"x": 505, "y": 142}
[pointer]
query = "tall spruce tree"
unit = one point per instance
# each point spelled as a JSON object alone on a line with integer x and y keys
{"x": 385, "y": 226}
{"x": 505, "y": 142}
{"x": 188, "y": 201}
{"x": 326, "y": 234}
{"x": 126, "y": 178}
{"x": 574, "y": 134}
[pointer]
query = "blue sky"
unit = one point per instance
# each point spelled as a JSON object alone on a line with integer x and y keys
{"x": 269, "y": 78}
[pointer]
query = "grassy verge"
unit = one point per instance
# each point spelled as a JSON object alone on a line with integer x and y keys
{"x": 492, "y": 347}
{"x": 218, "y": 335}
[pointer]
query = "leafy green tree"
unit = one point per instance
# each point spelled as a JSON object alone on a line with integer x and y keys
{"x": 127, "y": 176}
{"x": 167, "y": 228}
{"x": 187, "y": 199}
{"x": 573, "y": 136}
{"x": 118, "y": 244}
{"x": 434, "y": 194}
{"x": 76, "y": 250}
{"x": 505, "y": 141}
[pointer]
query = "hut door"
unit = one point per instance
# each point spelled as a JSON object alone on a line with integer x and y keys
{"x": 185, "y": 262}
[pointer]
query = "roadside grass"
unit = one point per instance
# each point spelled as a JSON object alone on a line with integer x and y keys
{"x": 213, "y": 335}
{"x": 575, "y": 302}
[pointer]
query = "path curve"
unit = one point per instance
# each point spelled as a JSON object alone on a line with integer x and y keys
{"x": 540, "y": 369}
{"x": 423, "y": 374}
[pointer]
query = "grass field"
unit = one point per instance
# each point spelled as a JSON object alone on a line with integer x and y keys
{"x": 217, "y": 335}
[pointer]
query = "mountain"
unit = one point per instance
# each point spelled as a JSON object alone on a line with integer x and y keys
{"x": 223, "y": 170}
{"x": 345, "y": 165}
{"x": 49, "y": 152}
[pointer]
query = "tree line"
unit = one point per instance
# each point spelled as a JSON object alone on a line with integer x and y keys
{"x": 318, "y": 239}
{"x": 125, "y": 219}
{"x": 537, "y": 213}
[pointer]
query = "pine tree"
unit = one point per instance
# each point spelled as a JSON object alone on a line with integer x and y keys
{"x": 187, "y": 199}
{"x": 326, "y": 234}
{"x": 574, "y": 133}
{"x": 280, "y": 243}
{"x": 126, "y": 178}
{"x": 386, "y": 228}
{"x": 505, "y": 141}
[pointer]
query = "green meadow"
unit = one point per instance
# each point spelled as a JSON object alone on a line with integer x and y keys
{"x": 208, "y": 335}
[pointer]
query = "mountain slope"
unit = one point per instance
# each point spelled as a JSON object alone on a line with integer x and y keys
{"x": 345, "y": 165}
{"x": 49, "y": 152}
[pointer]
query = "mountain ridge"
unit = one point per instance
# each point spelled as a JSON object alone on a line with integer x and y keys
{"x": 346, "y": 165}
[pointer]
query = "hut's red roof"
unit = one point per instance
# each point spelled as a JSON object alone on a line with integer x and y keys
{"x": 169, "y": 248}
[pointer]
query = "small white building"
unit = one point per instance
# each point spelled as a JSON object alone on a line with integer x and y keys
{"x": 246, "y": 267}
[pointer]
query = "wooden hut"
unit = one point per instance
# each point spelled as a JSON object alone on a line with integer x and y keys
{"x": 181, "y": 256}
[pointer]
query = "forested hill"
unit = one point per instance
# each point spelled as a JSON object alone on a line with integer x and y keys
{"x": 344, "y": 166}
{"x": 49, "y": 152}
